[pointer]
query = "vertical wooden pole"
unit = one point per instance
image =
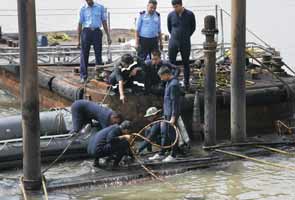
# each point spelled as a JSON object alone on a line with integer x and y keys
{"x": 29, "y": 94}
{"x": 238, "y": 90}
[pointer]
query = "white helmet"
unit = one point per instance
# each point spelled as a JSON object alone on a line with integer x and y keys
{"x": 151, "y": 112}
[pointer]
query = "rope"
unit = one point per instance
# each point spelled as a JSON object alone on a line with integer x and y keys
{"x": 250, "y": 31}
{"x": 149, "y": 171}
{"x": 22, "y": 187}
{"x": 255, "y": 160}
{"x": 289, "y": 68}
{"x": 275, "y": 75}
{"x": 276, "y": 150}
{"x": 61, "y": 154}
{"x": 44, "y": 187}
{"x": 152, "y": 143}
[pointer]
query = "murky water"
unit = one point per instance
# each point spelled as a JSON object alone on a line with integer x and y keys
{"x": 240, "y": 180}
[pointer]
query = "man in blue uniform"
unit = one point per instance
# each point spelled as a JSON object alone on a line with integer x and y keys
{"x": 110, "y": 142}
{"x": 181, "y": 26}
{"x": 153, "y": 82}
{"x": 127, "y": 74}
{"x": 148, "y": 31}
{"x": 154, "y": 132}
{"x": 83, "y": 112}
{"x": 171, "y": 108}
{"x": 92, "y": 16}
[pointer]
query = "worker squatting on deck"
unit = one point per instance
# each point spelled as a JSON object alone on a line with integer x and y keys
{"x": 112, "y": 140}
{"x": 92, "y": 17}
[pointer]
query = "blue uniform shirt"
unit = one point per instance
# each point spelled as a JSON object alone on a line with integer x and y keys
{"x": 148, "y": 25}
{"x": 92, "y": 17}
{"x": 106, "y": 136}
{"x": 171, "y": 105}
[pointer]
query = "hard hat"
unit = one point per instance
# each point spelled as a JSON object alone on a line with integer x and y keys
{"x": 151, "y": 112}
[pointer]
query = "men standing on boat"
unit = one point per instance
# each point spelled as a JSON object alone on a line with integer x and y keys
{"x": 92, "y": 16}
{"x": 83, "y": 112}
{"x": 110, "y": 142}
{"x": 153, "y": 82}
{"x": 148, "y": 31}
{"x": 171, "y": 108}
{"x": 181, "y": 26}
{"x": 127, "y": 74}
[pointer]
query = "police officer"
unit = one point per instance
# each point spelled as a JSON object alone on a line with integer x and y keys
{"x": 92, "y": 16}
{"x": 181, "y": 26}
{"x": 148, "y": 31}
{"x": 110, "y": 142}
{"x": 83, "y": 112}
{"x": 171, "y": 108}
{"x": 127, "y": 73}
{"x": 152, "y": 80}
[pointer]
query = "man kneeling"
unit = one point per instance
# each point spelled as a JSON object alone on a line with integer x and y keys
{"x": 111, "y": 142}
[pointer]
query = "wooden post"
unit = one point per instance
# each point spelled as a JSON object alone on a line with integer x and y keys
{"x": 210, "y": 80}
{"x": 238, "y": 90}
{"x": 29, "y": 94}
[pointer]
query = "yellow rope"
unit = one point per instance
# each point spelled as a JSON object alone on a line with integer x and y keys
{"x": 22, "y": 187}
{"x": 44, "y": 187}
{"x": 255, "y": 160}
{"x": 276, "y": 150}
{"x": 152, "y": 143}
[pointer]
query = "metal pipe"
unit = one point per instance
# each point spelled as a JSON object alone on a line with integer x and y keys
{"x": 217, "y": 22}
{"x": 29, "y": 94}
{"x": 210, "y": 80}
{"x": 222, "y": 32}
{"x": 238, "y": 90}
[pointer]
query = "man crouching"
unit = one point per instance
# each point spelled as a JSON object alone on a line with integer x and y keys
{"x": 111, "y": 142}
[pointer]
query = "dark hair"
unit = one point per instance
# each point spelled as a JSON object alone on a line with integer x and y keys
{"x": 117, "y": 115}
{"x": 154, "y": 2}
{"x": 156, "y": 53}
{"x": 125, "y": 125}
{"x": 127, "y": 58}
{"x": 176, "y": 2}
{"x": 164, "y": 70}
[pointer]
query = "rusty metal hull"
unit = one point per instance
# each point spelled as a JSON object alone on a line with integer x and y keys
{"x": 267, "y": 100}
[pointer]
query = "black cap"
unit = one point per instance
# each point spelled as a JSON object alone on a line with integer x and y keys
{"x": 127, "y": 58}
{"x": 125, "y": 125}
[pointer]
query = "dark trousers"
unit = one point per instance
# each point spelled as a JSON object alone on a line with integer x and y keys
{"x": 146, "y": 47}
{"x": 168, "y": 136}
{"x": 90, "y": 37}
{"x": 185, "y": 51}
{"x": 152, "y": 136}
{"x": 116, "y": 150}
